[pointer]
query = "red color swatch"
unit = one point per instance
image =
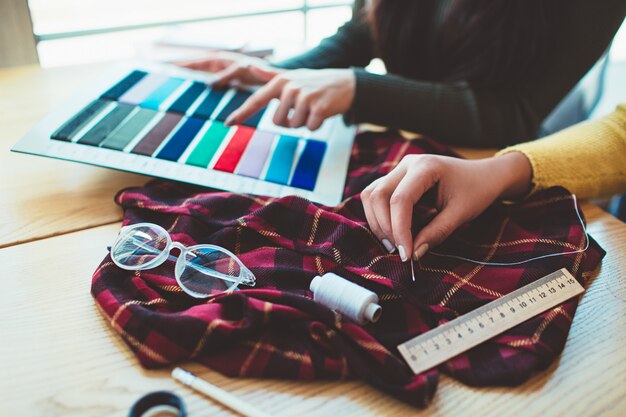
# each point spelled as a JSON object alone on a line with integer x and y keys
{"x": 232, "y": 154}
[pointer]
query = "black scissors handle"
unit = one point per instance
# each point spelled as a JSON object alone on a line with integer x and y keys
{"x": 156, "y": 399}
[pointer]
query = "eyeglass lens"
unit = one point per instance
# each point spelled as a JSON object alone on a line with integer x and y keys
{"x": 208, "y": 270}
{"x": 139, "y": 246}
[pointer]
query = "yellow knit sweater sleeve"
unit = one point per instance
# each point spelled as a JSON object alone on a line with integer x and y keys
{"x": 589, "y": 159}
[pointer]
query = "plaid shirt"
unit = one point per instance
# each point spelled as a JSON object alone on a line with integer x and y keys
{"x": 275, "y": 330}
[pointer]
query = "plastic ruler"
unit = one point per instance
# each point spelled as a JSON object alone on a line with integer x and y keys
{"x": 463, "y": 333}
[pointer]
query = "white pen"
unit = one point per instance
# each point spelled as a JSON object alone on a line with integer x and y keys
{"x": 217, "y": 394}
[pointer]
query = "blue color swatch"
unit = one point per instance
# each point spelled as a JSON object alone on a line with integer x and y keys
{"x": 159, "y": 95}
{"x": 177, "y": 144}
{"x": 308, "y": 167}
{"x": 282, "y": 160}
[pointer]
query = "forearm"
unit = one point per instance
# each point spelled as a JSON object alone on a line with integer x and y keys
{"x": 453, "y": 113}
{"x": 514, "y": 173}
{"x": 588, "y": 159}
{"x": 461, "y": 113}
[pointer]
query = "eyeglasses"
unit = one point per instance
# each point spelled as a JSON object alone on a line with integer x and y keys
{"x": 201, "y": 270}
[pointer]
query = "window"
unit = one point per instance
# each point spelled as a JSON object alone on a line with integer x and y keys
{"x": 78, "y": 31}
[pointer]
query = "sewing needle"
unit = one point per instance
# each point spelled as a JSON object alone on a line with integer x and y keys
{"x": 412, "y": 271}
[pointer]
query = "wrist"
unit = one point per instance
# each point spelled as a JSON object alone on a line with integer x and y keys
{"x": 515, "y": 173}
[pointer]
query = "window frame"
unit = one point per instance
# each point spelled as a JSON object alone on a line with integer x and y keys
{"x": 304, "y": 9}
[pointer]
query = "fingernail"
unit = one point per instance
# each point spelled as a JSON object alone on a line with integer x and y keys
{"x": 402, "y": 253}
{"x": 421, "y": 251}
{"x": 389, "y": 246}
{"x": 229, "y": 121}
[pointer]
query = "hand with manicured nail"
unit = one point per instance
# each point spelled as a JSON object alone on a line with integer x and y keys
{"x": 307, "y": 97}
{"x": 465, "y": 188}
{"x": 230, "y": 67}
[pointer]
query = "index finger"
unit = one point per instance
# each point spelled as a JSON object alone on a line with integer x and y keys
{"x": 407, "y": 193}
{"x": 255, "y": 102}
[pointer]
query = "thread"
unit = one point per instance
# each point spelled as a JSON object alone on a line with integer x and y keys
{"x": 582, "y": 224}
{"x": 348, "y": 298}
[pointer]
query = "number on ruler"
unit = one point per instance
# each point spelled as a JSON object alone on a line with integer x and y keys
{"x": 489, "y": 320}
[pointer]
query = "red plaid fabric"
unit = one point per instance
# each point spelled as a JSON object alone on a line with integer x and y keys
{"x": 276, "y": 331}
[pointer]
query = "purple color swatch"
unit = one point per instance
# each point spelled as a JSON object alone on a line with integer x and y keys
{"x": 253, "y": 159}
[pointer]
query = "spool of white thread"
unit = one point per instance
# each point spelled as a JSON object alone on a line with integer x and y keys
{"x": 346, "y": 297}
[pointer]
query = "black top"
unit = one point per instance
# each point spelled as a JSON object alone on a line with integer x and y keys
{"x": 459, "y": 113}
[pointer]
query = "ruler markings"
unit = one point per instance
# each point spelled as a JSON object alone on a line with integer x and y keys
{"x": 471, "y": 329}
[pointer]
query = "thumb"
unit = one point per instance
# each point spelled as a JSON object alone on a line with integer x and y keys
{"x": 263, "y": 74}
{"x": 438, "y": 230}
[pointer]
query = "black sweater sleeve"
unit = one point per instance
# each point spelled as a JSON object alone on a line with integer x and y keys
{"x": 461, "y": 114}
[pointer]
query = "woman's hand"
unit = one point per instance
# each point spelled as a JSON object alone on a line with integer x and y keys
{"x": 465, "y": 188}
{"x": 307, "y": 97}
{"x": 231, "y": 67}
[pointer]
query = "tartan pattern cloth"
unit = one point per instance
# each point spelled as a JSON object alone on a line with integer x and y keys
{"x": 275, "y": 330}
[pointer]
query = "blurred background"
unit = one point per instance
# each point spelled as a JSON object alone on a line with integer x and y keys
{"x": 81, "y": 31}
{"x": 64, "y": 32}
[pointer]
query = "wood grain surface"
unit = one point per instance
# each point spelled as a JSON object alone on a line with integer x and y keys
{"x": 42, "y": 197}
{"x": 59, "y": 357}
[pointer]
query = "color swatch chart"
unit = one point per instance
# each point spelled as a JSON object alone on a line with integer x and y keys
{"x": 170, "y": 123}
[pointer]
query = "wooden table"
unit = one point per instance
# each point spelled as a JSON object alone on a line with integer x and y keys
{"x": 59, "y": 357}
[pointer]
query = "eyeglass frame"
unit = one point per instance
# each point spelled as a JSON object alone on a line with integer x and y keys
{"x": 245, "y": 277}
